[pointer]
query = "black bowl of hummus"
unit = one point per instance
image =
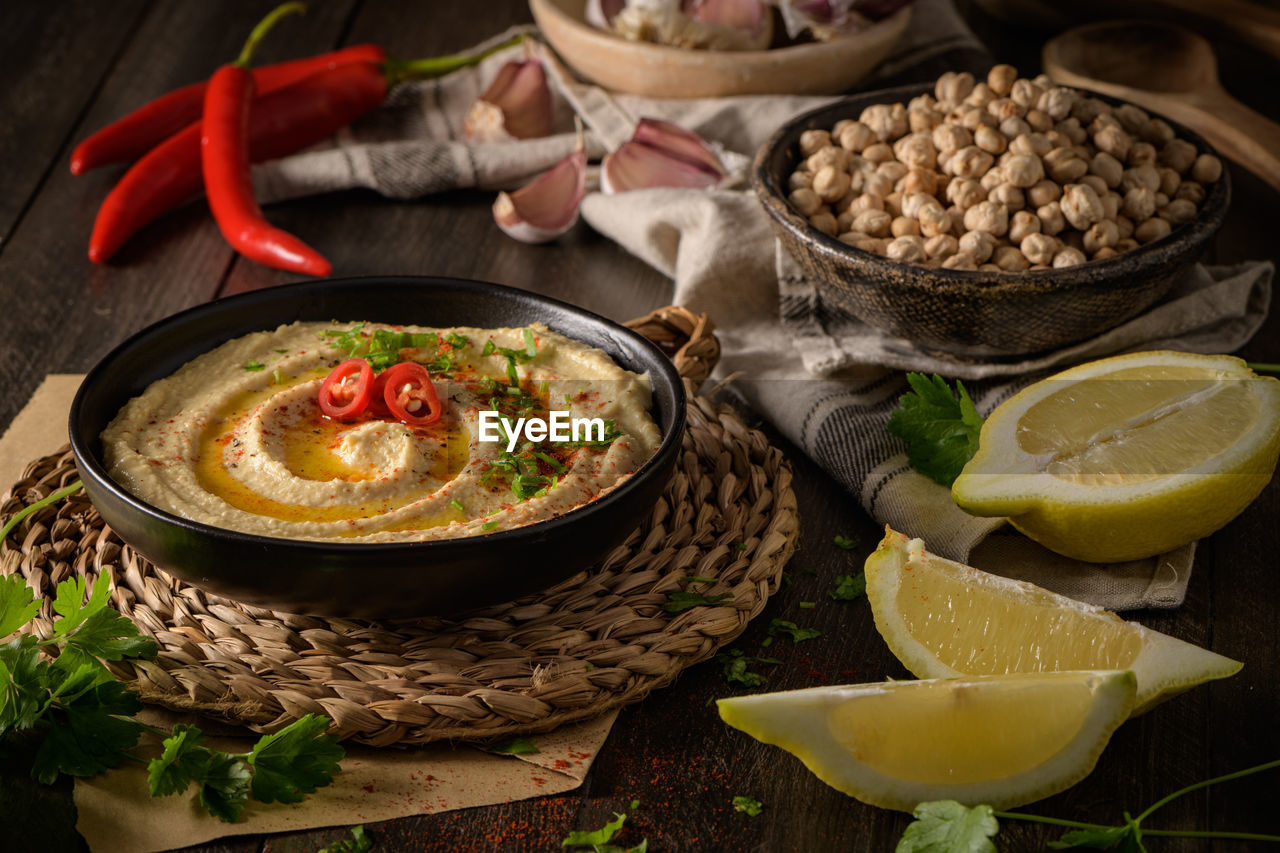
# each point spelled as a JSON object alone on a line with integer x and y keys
{"x": 379, "y": 447}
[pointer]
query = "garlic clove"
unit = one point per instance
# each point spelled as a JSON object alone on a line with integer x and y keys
{"x": 678, "y": 142}
{"x": 750, "y": 16}
{"x": 517, "y": 105}
{"x": 635, "y": 165}
{"x": 547, "y": 206}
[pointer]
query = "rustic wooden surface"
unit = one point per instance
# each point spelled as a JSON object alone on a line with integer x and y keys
{"x": 71, "y": 66}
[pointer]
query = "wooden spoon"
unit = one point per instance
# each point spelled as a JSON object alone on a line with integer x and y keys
{"x": 1171, "y": 71}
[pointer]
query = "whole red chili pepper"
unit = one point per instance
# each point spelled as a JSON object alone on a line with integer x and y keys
{"x": 280, "y": 123}
{"x": 150, "y": 124}
{"x": 224, "y": 146}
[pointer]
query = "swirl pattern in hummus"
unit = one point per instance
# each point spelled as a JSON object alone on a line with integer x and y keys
{"x": 235, "y": 438}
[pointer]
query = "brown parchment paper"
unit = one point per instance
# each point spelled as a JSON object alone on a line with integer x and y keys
{"x": 116, "y": 814}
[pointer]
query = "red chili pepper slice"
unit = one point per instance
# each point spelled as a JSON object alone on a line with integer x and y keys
{"x": 347, "y": 390}
{"x": 152, "y": 123}
{"x": 410, "y": 394}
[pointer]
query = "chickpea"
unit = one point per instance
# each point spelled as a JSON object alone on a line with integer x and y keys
{"x": 1051, "y": 219}
{"x": 893, "y": 170}
{"x": 977, "y": 244}
{"x": 1178, "y": 212}
{"x": 893, "y": 204}
{"x": 1151, "y": 230}
{"x": 1057, "y": 102}
{"x": 799, "y": 180}
{"x": 805, "y": 201}
{"x": 990, "y": 267}
{"x": 965, "y": 193}
{"x": 1023, "y": 170}
{"x": 1000, "y": 78}
{"x": 951, "y": 137}
{"x": 970, "y": 162}
{"x": 989, "y": 216}
{"x": 1111, "y": 202}
{"x": 953, "y": 86}
{"x": 829, "y": 156}
{"x": 1021, "y": 224}
{"x": 866, "y": 201}
{"x": 1206, "y": 169}
{"x": 813, "y": 141}
{"x": 1161, "y": 200}
{"x": 1107, "y": 167}
{"x": 1141, "y": 154}
{"x": 1179, "y": 155}
{"x": 1024, "y": 93}
{"x": 831, "y": 184}
{"x": 877, "y": 184}
{"x": 1098, "y": 185}
{"x": 903, "y": 226}
{"x": 921, "y": 120}
{"x": 1081, "y": 205}
{"x": 860, "y": 241}
{"x": 990, "y": 140}
{"x": 825, "y": 222}
{"x": 1086, "y": 110}
{"x": 1072, "y": 129}
{"x": 887, "y": 121}
{"x": 855, "y": 136}
{"x": 1127, "y": 245}
{"x": 960, "y": 261}
{"x": 941, "y": 246}
{"x": 1192, "y": 191}
{"x": 1169, "y": 180}
{"x": 980, "y": 96}
{"x": 1010, "y": 196}
{"x": 1039, "y": 121}
{"x": 1139, "y": 204}
{"x": 844, "y": 221}
{"x": 858, "y": 163}
{"x": 908, "y": 249}
{"x": 1043, "y": 192}
{"x": 1145, "y": 177}
{"x": 1010, "y": 259}
{"x": 1068, "y": 256}
{"x": 1101, "y": 234}
{"x": 1133, "y": 119}
{"x": 1065, "y": 165}
{"x": 873, "y": 223}
{"x": 1103, "y": 253}
{"x": 1014, "y": 126}
{"x": 912, "y": 203}
{"x": 934, "y": 221}
{"x": 878, "y": 153}
{"x": 919, "y": 181}
{"x": 1039, "y": 248}
{"x": 1124, "y": 226}
{"x": 1003, "y": 108}
{"x": 1031, "y": 143}
{"x": 1157, "y": 132}
{"x": 917, "y": 151}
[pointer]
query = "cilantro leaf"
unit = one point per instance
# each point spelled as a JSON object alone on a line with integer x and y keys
{"x": 357, "y": 843}
{"x": 678, "y": 602}
{"x": 848, "y": 543}
{"x": 225, "y": 787}
{"x": 91, "y": 735}
{"x": 515, "y": 746}
{"x": 108, "y": 635}
{"x": 945, "y": 826}
{"x": 71, "y": 606}
{"x": 596, "y": 837}
{"x": 748, "y": 806}
{"x": 796, "y": 633}
{"x": 295, "y": 760}
{"x": 22, "y": 688}
{"x": 941, "y": 432}
{"x": 849, "y": 587}
{"x": 17, "y": 604}
{"x": 184, "y": 760}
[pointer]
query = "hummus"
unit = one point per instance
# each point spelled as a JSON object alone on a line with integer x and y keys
{"x": 236, "y": 438}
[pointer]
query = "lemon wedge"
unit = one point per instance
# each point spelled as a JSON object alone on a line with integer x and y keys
{"x": 1001, "y": 740}
{"x": 1129, "y": 456}
{"x": 945, "y": 619}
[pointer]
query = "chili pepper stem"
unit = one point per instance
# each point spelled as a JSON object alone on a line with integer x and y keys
{"x": 400, "y": 70}
{"x": 264, "y": 26}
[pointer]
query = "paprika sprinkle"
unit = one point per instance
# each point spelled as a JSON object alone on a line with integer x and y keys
{"x": 224, "y": 146}
{"x": 150, "y": 124}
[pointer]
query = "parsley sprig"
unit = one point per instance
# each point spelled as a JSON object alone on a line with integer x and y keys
{"x": 381, "y": 347}
{"x": 940, "y": 430}
{"x": 946, "y": 825}
{"x": 57, "y": 692}
{"x": 513, "y": 356}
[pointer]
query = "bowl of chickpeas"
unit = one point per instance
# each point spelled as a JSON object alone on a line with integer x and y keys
{"x": 988, "y": 218}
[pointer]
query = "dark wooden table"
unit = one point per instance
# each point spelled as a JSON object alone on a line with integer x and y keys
{"x": 70, "y": 66}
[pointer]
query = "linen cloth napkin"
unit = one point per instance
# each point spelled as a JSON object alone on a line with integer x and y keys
{"x": 824, "y": 378}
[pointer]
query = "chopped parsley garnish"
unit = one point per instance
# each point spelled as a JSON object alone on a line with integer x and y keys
{"x": 849, "y": 587}
{"x": 513, "y": 356}
{"x": 611, "y": 434}
{"x": 792, "y": 630}
{"x": 381, "y": 347}
{"x": 357, "y": 843}
{"x": 598, "y": 839}
{"x": 254, "y": 366}
{"x": 807, "y": 605}
{"x": 848, "y": 543}
{"x": 749, "y": 806}
{"x": 940, "y": 430}
{"x": 457, "y": 504}
{"x": 681, "y": 601}
{"x": 489, "y": 525}
{"x": 735, "y": 667}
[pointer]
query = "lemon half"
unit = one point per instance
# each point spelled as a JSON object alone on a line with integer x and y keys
{"x": 1001, "y": 740}
{"x": 945, "y": 619}
{"x": 1129, "y": 456}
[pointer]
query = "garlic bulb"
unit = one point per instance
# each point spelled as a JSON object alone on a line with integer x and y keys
{"x": 517, "y": 105}
{"x": 660, "y": 154}
{"x": 708, "y": 24}
{"x": 547, "y": 206}
{"x": 827, "y": 19}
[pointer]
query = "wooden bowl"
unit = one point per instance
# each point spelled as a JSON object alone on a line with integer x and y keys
{"x": 976, "y": 314}
{"x": 817, "y": 68}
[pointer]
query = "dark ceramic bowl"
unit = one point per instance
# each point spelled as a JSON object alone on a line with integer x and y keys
{"x": 369, "y": 580}
{"x": 976, "y": 314}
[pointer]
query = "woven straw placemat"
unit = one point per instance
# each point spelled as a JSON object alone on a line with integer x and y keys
{"x": 594, "y": 642}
